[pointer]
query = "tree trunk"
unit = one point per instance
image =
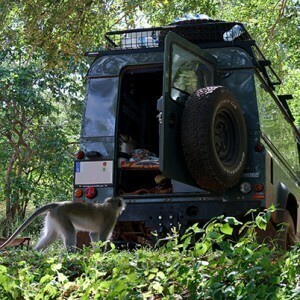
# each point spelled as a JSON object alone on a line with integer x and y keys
{"x": 8, "y": 186}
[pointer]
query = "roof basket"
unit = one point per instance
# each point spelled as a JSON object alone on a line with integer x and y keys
{"x": 196, "y": 31}
{"x": 133, "y": 39}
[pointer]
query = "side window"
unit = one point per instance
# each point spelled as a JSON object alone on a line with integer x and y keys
{"x": 189, "y": 72}
{"x": 274, "y": 125}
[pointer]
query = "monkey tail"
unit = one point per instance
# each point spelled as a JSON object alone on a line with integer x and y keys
{"x": 42, "y": 210}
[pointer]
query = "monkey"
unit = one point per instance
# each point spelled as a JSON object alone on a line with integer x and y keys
{"x": 63, "y": 219}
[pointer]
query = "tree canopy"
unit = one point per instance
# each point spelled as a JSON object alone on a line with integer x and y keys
{"x": 70, "y": 27}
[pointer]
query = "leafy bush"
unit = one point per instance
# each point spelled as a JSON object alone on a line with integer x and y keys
{"x": 203, "y": 264}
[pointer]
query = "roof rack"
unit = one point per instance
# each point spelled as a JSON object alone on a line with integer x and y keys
{"x": 196, "y": 31}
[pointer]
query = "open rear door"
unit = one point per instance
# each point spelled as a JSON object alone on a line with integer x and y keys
{"x": 187, "y": 68}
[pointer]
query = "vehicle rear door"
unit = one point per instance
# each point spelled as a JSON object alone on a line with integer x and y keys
{"x": 187, "y": 68}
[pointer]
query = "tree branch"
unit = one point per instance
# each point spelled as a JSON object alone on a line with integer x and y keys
{"x": 280, "y": 15}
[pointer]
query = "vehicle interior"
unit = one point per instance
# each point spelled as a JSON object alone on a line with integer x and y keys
{"x": 139, "y": 132}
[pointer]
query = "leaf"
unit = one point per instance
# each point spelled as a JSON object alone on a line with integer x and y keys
{"x": 56, "y": 267}
{"x": 61, "y": 277}
{"x": 232, "y": 221}
{"x": 201, "y": 248}
{"x": 261, "y": 222}
{"x": 171, "y": 290}
{"x": 187, "y": 242}
{"x": 161, "y": 275}
{"x": 46, "y": 278}
{"x": 158, "y": 287}
{"x": 105, "y": 284}
{"x": 226, "y": 229}
{"x": 154, "y": 270}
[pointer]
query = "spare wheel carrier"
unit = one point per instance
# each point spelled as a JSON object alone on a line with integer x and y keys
{"x": 214, "y": 138}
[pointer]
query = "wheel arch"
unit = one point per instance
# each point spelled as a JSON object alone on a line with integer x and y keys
{"x": 292, "y": 207}
{"x": 282, "y": 194}
{"x": 286, "y": 200}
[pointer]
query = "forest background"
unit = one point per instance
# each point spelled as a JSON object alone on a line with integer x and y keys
{"x": 43, "y": 67}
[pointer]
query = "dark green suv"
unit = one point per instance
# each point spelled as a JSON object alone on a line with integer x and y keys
{"x": 184, "y": 123}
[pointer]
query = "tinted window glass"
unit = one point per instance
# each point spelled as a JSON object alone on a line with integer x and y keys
{"x": 100, "y": 113}
{"x": 189, "y": 73}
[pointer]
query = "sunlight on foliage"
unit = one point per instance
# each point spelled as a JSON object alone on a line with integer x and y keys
{"x": 204, "y": 263}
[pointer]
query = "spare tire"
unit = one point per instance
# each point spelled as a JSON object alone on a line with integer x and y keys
{"x": 214, "y": 138}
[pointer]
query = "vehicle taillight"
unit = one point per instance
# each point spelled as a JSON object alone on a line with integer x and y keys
{"x": 79, "y": 154}
{"x": 90, "y": 192}
{"x": 259, "y": 147}
{"x": 78, "y": 193}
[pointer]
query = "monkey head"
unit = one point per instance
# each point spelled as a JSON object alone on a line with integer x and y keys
{"x": 116, "y": 202}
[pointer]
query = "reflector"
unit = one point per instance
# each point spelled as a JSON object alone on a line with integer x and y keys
{"x": 78, "y": 193}
{"x": 259, "y": 187}
{"x": 259, "y": 147}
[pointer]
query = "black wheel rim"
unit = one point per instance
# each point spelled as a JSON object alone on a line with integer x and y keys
{"x": 225, "y": 137}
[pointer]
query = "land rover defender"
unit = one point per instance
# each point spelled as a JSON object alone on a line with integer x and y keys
{"x": 184, "y": 123}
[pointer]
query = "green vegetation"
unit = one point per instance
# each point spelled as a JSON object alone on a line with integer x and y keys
{"x": 42, "y": 69}
{"x": 37, "y": 139}
{"x": 215, "y": 267}
{"x": 42, "y": 72}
